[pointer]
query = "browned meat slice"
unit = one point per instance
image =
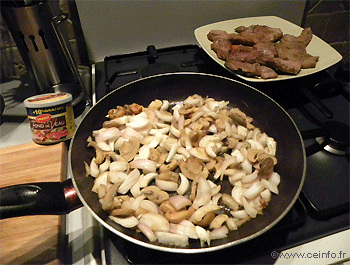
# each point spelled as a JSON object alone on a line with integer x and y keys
{"x": 217, "y": 34}
{"x": 294, "y": 49}
{"x": 248, "y": 35}
{"x": 251, "y": 55}
{"x": 255, "y": 34}
{"x": 267, "y": 48}
{"x": 249, "y": 69}
{"x": 222, "y": 48}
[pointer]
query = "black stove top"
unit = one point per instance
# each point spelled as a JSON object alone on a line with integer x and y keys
{"x": 319, "y": 105}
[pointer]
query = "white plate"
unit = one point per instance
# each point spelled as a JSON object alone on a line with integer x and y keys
{"x": 317, "y": 47}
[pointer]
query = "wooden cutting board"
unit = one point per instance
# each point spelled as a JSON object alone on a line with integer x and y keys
{"x": 31, "y": 239}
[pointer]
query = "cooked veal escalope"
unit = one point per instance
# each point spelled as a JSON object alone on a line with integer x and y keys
{"x": 160, "y": 169}
{"x": 262, "y": 51}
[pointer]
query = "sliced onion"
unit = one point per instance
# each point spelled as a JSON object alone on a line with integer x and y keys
{"x": 269, "y": 185}
{"x": 236, "y": 193}
{"x": 108, "y": 134}
{"x": 116, "y": 176}
{"x": 184, "y": 185}
{"x": 179, "y": 202}
{"x": 105, "y": 146}
{"x": 147, "y": 231}
{"x": 216, "y": 197}
{"x": 203, "y": 235}
{"x": 234, "y": 175}
{"x": 218, "y": 221}
{"x": 175, "y": 131}
{"x": 155, "y": 140}
{"x": 135, "y": 190}
{"x": 144, "y": 152}
{"x": 94, "y": 170}
{"x": 250, "y": 178}
{"x": 240, "y": 214}
{"x": 172, "y": 239}
{"x": 247, "y": 166}
{"x": 185, "y": 230}
{"x": 183, "y": 151}
{"x": 249, "y": 209}
{"x": 266, "y": 195}
{"x": 231, "y": 224}
{"x": 149, "y": 206}
{"x": 136, "y": 203}
{"x": 242, "y": 131}
{"x": 156, "y": 222}
{"x": 238, "y": 154}
{"x": 130, "y": 180}
{"x": 166, "y": 185}
{"x": 271, "y": 146}
{"x": 254, "y": 190}
{"x": 212, "y": 149}
{"x": 227, "y": 162}
{"x": 127, "y": 222}
{"x": 164, "y": 116}
{"x": 100, "y": 180}
{"x": 172, "y": 152}
{"x": 129, "y": 132}
{"x": 218, "y": 233}
{"x": 255, "y": 144}
{"x": 199, "y": 214}
{"x": 275, "y": 178}
{"x": 105, "y": 165}
{"x": 146, "y": 165}
{"x": 118, "y": 165}
{"x": 146, "y": 179}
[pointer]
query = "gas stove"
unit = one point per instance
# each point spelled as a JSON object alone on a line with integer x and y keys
{"x": 319, "y": 105}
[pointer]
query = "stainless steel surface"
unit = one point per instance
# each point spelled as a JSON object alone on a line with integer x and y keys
{"x": 41, "y": 38}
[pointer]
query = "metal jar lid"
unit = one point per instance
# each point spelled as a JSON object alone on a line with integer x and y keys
{"x": 47, "y": 100}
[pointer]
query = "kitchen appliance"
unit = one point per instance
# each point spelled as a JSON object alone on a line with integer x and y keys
{"x": 38, "y": 30}
{"x": 34, "y": 198}
{"x": 322, "y": 208}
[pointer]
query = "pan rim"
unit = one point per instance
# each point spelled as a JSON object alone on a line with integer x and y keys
{"x": 178, "y": 249}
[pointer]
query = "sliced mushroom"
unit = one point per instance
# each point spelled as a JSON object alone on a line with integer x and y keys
{"x": 107, "y": 203}
{"x": 167, "y": 206}
{"x": 229, "y": 201}
{"x": 266, "y": 167}
{"x": 116, "y": 113}
{"x": 155, "y": 194}
{"x": 155, "y": 104}
{"x": 129, "y": 148}
{"x": 253, "y": 155}
{"x": 168, "y": 167}
{"x": 191, "y": 167}
{"x": 169, "y": 176}
{"x": 122, "y": 212}
{"x": 177, "y": 217}
{"x": 206, "y": 220}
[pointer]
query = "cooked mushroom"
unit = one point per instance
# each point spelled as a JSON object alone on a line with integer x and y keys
{"x": 129, "y": 148}
{"x": 266, "y": 167}
{"x": 191, "y": 167}
{"x": 155, "y": 194}
{"x": 177, "y": 217}
{"x": 167, "y": 160}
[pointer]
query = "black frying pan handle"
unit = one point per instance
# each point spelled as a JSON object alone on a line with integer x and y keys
{"x": 43, "y": 198}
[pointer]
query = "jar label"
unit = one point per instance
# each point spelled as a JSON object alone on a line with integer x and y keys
{"x": 51, "y": 124}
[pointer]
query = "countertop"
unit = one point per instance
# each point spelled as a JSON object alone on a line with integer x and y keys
{"x": 31, "y": 239}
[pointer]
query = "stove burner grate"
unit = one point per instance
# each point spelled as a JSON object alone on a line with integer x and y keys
{"x": 336, "y": 140}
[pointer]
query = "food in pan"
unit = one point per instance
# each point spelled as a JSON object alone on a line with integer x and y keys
{"x": 262, "y": 51}
{"x": 191, "y": 170}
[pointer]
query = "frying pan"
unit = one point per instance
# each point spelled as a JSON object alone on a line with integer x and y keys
{"x": 175, "y": 87}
